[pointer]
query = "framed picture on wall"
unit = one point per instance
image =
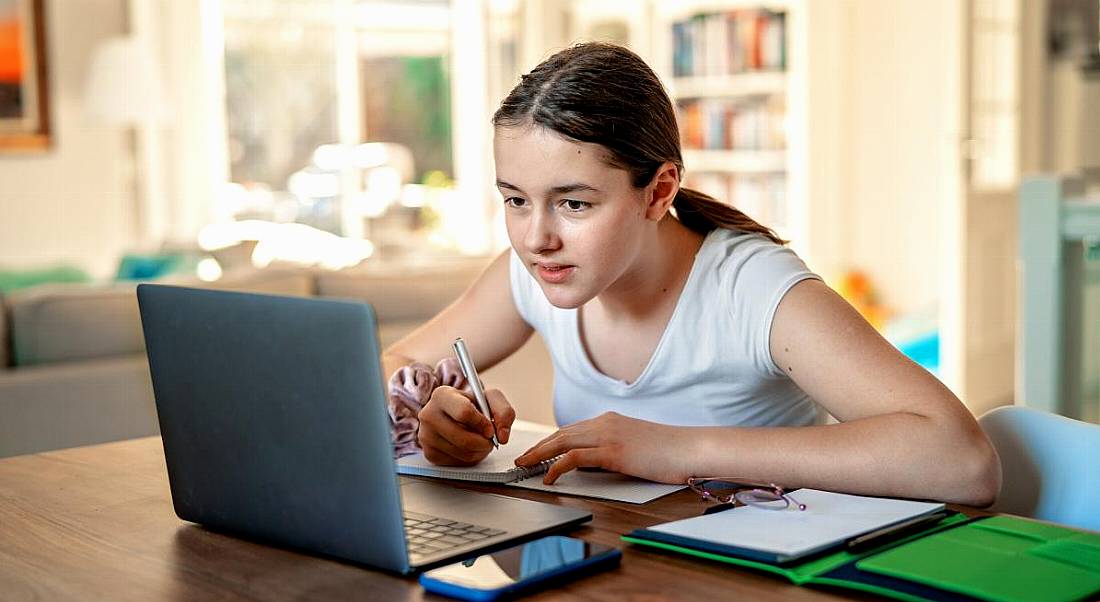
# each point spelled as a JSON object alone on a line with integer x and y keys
{"x": 24, "y": 101}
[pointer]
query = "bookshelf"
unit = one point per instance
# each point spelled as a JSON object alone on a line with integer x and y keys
{"x": 732, "y": 85}
{"x": 791, "y": 100}
{"x": 739, "y": 73}
{"x": 725, "y": 67}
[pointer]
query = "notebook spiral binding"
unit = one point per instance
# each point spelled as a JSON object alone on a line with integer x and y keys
{"x": 526, "y": 472}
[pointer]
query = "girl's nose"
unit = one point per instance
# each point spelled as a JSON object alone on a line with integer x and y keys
{"x": 541, "y": 236}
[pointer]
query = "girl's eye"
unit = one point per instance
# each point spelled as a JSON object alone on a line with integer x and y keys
{"x": 574, "y": 205}
{"x": 515, "y": 201}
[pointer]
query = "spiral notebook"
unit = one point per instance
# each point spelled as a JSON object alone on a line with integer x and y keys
{"x": 500, "y": 467}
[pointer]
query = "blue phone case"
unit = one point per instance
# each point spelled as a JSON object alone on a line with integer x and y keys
{"x": 592, "y": 564}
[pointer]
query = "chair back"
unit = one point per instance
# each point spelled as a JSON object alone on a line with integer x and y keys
{"x": 1050, "y": 464}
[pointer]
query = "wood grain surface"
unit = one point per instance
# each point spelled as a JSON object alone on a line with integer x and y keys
{"x": 96, "y": 523}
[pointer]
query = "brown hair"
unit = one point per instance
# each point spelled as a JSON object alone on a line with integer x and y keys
{"x": 605, "y": 94}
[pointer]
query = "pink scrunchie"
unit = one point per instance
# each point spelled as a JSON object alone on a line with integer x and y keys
{"x": 410, "y": 389}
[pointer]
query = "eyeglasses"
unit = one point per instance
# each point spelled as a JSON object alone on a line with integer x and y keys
{"x": 725, "y": 490}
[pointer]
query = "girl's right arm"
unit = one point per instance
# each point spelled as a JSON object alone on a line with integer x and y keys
{"x": 452, "y": 430}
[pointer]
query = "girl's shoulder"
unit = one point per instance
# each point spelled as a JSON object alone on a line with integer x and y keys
{"x": 733, "y": 248}
{"x": 750, "y": 265}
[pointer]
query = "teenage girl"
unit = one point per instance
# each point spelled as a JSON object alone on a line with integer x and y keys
{"x": 686, "y": 339}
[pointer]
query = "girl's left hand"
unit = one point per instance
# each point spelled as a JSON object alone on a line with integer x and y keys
{"x": 617, "y": 443}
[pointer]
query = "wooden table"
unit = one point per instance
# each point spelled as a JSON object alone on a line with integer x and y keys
{"x": 96, "y": 523}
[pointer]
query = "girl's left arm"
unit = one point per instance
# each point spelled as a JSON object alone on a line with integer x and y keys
{"x": 901, "y": 433}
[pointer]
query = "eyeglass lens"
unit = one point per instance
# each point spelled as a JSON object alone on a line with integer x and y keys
{"x": 720, "y": 490}
{"x": 726, "y": 491}
{"x": 762, "y": 499}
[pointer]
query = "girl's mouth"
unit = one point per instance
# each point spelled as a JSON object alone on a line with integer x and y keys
{"x": 554, "y": 273}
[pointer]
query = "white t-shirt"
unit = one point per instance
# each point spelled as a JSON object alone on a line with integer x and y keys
{"x": 711, "y": 367}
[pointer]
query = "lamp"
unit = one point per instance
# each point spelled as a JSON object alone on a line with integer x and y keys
{"x": 124, "y": 89}
{"x": 124, "y": 86}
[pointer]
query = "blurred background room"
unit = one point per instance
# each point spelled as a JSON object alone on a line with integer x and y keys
{"x": 932, "y": 159}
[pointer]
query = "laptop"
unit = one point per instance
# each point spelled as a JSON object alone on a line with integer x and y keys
{"x": 272, "y": 414}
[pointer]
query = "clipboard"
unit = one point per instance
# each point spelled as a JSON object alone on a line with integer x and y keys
{"x": 830, "y": 520}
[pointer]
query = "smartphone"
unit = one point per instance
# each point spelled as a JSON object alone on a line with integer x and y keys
{"x": 521, "y": 568}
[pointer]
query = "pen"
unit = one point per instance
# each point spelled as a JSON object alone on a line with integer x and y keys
{"x": 470, "y": 372}
{"x": 893, "y": 532}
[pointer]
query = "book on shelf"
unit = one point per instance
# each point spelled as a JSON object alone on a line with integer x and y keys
{"x": 724, "y": 43}
{"x": 729, "y": 124}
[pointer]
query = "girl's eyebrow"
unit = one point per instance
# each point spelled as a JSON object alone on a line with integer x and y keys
{"x": 560, "y": 189}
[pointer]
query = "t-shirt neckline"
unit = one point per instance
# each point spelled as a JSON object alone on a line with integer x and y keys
{"x": 621, "y": 385}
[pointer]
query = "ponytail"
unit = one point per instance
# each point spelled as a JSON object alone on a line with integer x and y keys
{"x": 702, "y": 213}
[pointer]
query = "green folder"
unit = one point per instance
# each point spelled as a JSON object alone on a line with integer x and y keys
{"x": 999, "y": 558}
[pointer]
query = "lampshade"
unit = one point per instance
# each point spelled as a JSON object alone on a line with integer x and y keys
{"x": 124, "y": 85}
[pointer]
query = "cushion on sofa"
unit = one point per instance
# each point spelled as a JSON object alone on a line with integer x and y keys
{"x": 272, "y": 281}
{"x": 58, "y": 323}
{"x": 412, "y": 294}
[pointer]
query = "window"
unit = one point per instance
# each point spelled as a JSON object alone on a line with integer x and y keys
{"x": 339, "y": 117}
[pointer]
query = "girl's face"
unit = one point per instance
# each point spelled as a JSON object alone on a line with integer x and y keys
{"x": 575, "y": 221}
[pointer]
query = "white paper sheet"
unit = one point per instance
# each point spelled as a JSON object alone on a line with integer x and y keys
{"x": 829, "y": 518}
{"x": 602, "y": 485}
{"x": 499, "y": 467}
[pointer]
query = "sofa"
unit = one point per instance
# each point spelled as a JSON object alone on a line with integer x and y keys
{"x": 73, "y": 369}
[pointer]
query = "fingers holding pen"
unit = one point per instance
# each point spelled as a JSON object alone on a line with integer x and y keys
{"x": 452, "y": 430}
{"x": 438, "y": 449}
{"x": 462, "y": 408}
{"x": 503, "y": 414}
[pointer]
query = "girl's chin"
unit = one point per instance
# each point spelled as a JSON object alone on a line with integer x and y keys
{"x": 564, "y": 299}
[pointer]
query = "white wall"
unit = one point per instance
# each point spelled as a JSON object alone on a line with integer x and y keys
{"x": 900, "y": 130}
{"x": 73, "y": 204}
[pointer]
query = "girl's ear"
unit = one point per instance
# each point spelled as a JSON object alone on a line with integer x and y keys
{"x": 661, "y": 191}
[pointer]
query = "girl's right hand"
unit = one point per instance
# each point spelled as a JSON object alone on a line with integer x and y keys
{"x": 453, "y": 432}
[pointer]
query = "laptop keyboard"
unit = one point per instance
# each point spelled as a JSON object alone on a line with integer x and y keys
{"x": 430, "y": 534}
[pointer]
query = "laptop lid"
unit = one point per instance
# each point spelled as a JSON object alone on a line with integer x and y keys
{"x": 273, "y": 419}
{"x": 272, "y": 415}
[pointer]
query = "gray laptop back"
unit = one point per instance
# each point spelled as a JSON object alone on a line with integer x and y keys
{"x": 252, "y": 397}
